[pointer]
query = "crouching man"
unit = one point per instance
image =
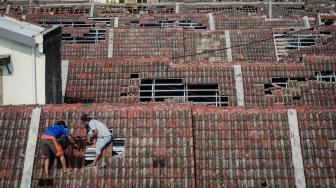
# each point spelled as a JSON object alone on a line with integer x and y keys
{"x": 50, "y": 146}
{"x": 97, "y": 130}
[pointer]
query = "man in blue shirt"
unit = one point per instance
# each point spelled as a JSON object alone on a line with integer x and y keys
{"x": 50, "y": 146}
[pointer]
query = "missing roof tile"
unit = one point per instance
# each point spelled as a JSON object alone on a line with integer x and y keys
{"x": 332, "y": 144}
{"x": 158, "y": 162}
{"x": 296, "y": 98}
{"x": 118, "y": 149}
{"x": 134, "y": 75}
{"x": 45, "y": 182}
{"x": 118, "y": 146}
{"x": 264, "y": 183}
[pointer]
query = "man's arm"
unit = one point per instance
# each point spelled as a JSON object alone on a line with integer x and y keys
{"x": 72, "y": 140}
{"x": 94, "y": 134}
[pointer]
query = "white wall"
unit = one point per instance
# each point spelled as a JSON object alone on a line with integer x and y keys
{"x": 18, "y": 86}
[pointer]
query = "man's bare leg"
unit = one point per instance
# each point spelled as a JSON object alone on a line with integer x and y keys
{"x": 63, "y": 162}
{"x": 95, "y": 160}
{"x": 46, "y": 166}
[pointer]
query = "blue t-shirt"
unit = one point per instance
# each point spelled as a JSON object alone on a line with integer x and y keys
{"x": 56, "y": 131}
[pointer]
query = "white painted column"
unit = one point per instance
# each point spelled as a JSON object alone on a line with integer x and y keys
{"x": 211, "y": 21}
{"x": 30, "y": 149}
{"x": 92, "y": 10}
{"x": 319, "y": 19}
{"x": 239, "y": 85}
{"x": 270, "y": 9}
{"x": 110, "y": 43}
{"x": 8, "y": 9}
{"x": 64, "y": 69}
{"x": 177, "y": 8}
{"x": 300, "y": 181}
{"x": 306, "y": 22}
{"x": 228, "y": 46}
{"x": 116, "y": 22}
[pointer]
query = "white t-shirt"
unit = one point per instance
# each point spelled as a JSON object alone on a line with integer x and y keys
{"x": 100, "y": 127}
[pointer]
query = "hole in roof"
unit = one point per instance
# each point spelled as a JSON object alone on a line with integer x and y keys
{"x": 158, "y": 162}
{"x": 299, "y": 79}
{"x": 118, "y": 149}
{"x": 333, "y": 144}
{"x": 135, "y": 21}
{"x": 328, "y": 22}
{"x": 279, "y": 79}
{"x": 134, "y": 75}
{"x": 296, "y": 98}
{"x": 264, "y": 183}
{"x": 325, "y": 33}
{"x": 45, "y": 182}
{"x": 118, "y": 146}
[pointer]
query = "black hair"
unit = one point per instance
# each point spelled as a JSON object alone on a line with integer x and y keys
{"x": 61, "y": 123}
{"x": 86, "y": 117}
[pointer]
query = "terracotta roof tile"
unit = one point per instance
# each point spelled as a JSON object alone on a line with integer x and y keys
{"x": 180, "y": 145}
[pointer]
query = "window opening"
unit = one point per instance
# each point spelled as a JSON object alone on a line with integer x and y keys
{"x": 94, "y": 36}
{"x": 160, "y": 89}
{"x": 174, "y": 23}
{"x": 326, "y": 76}
{"x": 5, "y": 61}
{"x": 284, "y": 43}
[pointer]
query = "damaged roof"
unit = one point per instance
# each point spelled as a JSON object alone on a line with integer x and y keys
{"x": 110, "y": 80}
{"x": 180, "y": 145}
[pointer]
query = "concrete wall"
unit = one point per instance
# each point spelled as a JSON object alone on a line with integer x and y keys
{"x": 18, "y": 86}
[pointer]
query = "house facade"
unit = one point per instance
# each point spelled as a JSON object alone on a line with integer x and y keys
{"x": 29, "y": 55}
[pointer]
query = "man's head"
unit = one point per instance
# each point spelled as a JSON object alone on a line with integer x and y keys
{"x": 61, "y": 123}
{"x": 86, "y": 119}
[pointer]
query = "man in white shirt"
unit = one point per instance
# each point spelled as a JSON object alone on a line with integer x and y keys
{"x": 99, "y": 130}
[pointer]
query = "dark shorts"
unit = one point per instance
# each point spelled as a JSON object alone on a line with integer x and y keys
{"x": 48, "y": 148}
